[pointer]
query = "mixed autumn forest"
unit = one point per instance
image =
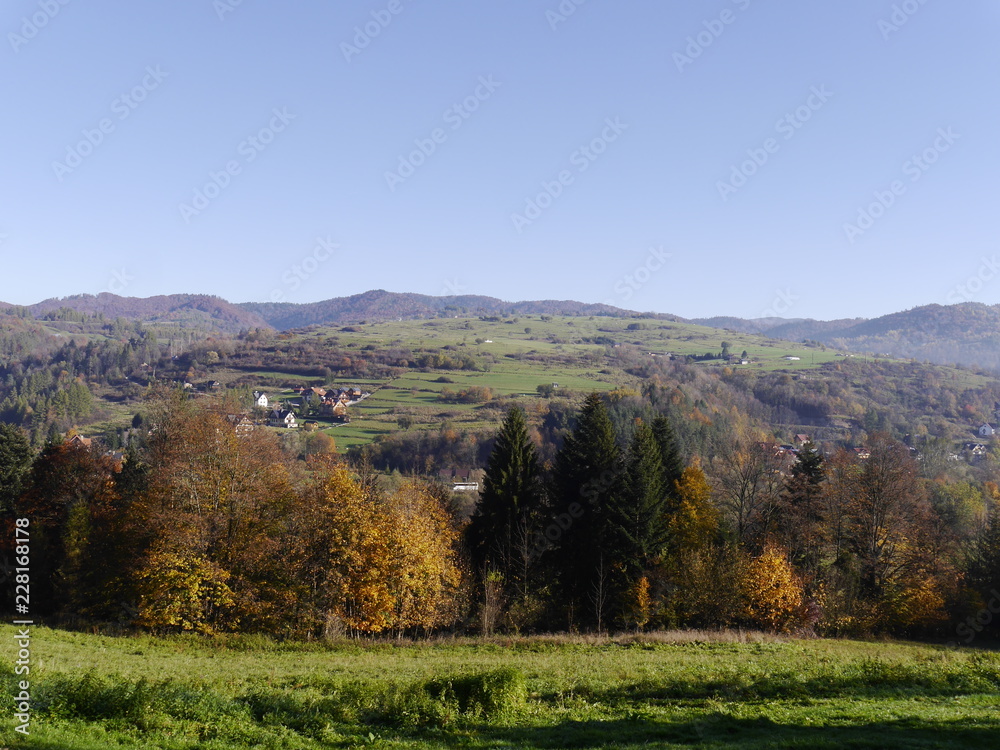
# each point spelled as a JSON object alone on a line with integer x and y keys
{"x": 702, "y": 489}
{"x": 487, "y": 526}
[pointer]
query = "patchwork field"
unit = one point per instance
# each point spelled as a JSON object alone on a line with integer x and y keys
{"x": 668, "y": 690}
{"x": 523, "y": 353}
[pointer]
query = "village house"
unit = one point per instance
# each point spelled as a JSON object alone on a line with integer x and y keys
{"x": 319, "y": 392}
{"x": 260, "y": 399}
{"x": 975, "y": 449}
{"x": 461, "y": 480}
{"x": 986, "y": 430}
{"x": 79, "y": 441}
{"x": 282, "y": 418}
{"x": 335, "y": 409}
{"x": 242, "y": 424}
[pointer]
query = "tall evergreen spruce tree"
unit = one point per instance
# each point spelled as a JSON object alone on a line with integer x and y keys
{"x": 671, "y": 462}
{"x": 638, "y": 517}
{"x": 586, "y": 478}
{"x": 502, "y": 525}
{"x": 16, "y": 456}
{"x": 800, "y": 525}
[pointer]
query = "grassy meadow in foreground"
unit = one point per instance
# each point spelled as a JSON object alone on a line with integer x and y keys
{"x": 667, "y": 690}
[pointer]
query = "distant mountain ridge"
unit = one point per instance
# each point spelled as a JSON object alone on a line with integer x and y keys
{"x": 966, "y": 333}
{"x": 379, "y": 304}
{"x": 216, "y": 314}
{"x": 192, "y": 310}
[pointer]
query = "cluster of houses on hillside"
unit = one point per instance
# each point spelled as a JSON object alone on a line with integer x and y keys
{"x": 331, "y": 403}
{"x": 276, "y": 416}
{"x": 787, "y": 449}
{"x": 79, "y": 441}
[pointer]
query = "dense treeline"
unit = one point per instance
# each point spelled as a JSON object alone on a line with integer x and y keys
{"x": 844, "y": 402}
{"x": 621, "y": 533}
{"x": 46, "y": 381}
{"x": 201, "y": 528}
{"x": 322, "y": 357}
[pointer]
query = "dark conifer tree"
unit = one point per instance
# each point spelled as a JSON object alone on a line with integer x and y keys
{"x": 16, "y": 456}
{"x": 983, "y": 575}
{"x": 800, "y": 524}
{"x": 671, "y": 461}
{"x": 586, "y": 478}
{"x": 637, "y": 517}
{"x": 502, "y": 528}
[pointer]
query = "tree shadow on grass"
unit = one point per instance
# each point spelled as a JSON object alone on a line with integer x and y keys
{"x": 724, "y": 732}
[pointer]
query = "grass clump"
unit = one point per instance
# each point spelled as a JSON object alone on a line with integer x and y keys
{"x": 499, "y": 694}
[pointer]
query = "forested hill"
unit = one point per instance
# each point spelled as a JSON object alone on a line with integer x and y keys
{"x": 214, "y": 314}
{"x": 967, "y": 333}
{"x": 379, "y": 304}
{"x": 185, "y": 310}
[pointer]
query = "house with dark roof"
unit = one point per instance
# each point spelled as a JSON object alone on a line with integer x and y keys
{"x": 282, "y": 418}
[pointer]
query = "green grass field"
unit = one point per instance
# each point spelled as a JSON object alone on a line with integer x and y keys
{"x": 670, "y": 690}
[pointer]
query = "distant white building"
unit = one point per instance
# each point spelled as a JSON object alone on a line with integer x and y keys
{"x": 260, "y": 399}
{"x": 790, "y": 358}
{"x": 986, "y": 430}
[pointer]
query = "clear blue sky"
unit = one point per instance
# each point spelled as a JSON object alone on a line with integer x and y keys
{"x": 200, "y": 78}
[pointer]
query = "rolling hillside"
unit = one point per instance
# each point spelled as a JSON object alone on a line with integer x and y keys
{"x": 183, "y": 310}
{"x": 967, "y": 334}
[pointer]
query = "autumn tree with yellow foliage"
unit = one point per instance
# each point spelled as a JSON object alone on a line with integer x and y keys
{"x": 375, "y": 563}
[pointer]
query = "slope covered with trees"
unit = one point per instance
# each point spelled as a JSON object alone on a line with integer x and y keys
{"x": 203, "y": 528}
{"x": 965, "y": 333}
